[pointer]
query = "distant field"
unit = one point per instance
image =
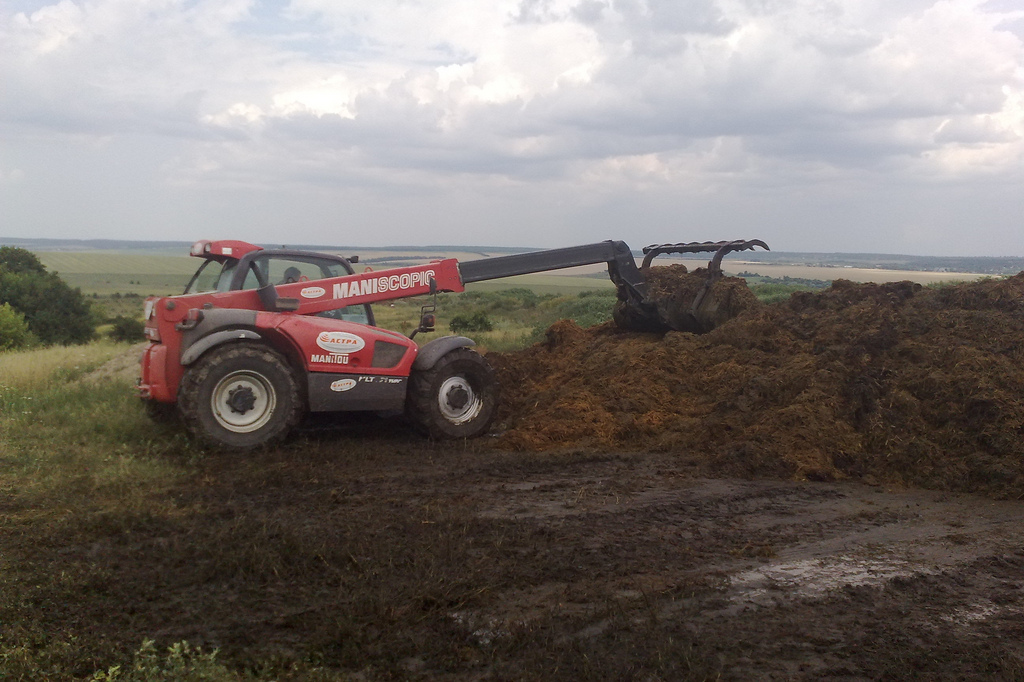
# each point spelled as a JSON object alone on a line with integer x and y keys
{"x": 106, "y": 273}
{"x": 734, "y": 267}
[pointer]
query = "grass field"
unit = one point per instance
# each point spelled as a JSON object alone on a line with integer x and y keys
{"x": 107, "y": 273}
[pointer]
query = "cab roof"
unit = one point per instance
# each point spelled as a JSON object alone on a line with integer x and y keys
{"x": 222, "y": 249}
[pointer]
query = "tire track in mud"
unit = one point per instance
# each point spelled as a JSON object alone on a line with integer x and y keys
{"x": 788, "y": 579}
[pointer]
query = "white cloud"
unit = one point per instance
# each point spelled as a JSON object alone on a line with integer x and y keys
{"x": 564, "y": 104}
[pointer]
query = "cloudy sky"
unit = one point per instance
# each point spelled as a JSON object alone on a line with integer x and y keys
{"x": 890, "y": 126}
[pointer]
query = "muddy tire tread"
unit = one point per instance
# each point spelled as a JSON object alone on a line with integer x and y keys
{"x": 192, "y": 402}
{"x": 421, "y": 398}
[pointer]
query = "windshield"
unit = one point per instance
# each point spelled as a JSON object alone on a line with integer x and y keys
{"x": 212, "y": 276}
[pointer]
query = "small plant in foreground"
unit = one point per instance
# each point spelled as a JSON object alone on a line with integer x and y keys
{"x": 182, "y": 663}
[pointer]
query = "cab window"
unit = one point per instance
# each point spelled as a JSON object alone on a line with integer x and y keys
{"x": 212, "y": 276}
{"x": 288, "y": 270}
{"x": 283, "y": 270}
{"x": 253, "y": 276}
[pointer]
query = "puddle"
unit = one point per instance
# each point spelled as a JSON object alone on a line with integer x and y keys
{"x": 815, "y": 577}
{"x": 982, "y": 611}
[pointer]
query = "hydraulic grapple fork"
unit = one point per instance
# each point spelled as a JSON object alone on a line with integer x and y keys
{"x": 694, "y": 308}
{"x": 720, "y": 248}
{"x": 693, "y": 303}
{"x": 714, "y": 272}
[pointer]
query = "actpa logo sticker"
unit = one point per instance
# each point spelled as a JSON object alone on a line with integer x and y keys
{"x": 312, "y": 292}
{"x": 343, "y": 385}
{"x": 339, "y": 342}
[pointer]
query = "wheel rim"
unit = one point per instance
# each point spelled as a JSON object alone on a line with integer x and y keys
{"x": 458, "y": 402}
{"x": 243, "y": 401}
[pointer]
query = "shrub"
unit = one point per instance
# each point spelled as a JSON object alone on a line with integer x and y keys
{"x": 127, "y": 329}
{"x": 20, "y": 261}
{"x": 514, "y": 300}
{"x": 471, "y": 323}
{"x": 588, "y": 309}
{"x": 14, "y": 331}
{"x": 54, "y": 312}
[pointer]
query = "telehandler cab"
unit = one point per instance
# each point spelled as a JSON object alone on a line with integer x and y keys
{"x": 261, "y": 336}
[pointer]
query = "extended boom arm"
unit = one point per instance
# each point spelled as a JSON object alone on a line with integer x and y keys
{"x": 621, "y": 265}
{"x": 450, "y": 275}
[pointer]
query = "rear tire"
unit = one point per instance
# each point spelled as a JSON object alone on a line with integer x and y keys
{"x": 240, "y": 396}
{"x": 456, "y": 398}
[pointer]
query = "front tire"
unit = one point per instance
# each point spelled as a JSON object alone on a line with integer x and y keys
{"x": 456, "y": 398}
{"x": 240, "y": 396}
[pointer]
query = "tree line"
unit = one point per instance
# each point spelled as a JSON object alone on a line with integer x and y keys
{"x": 37, "y": 306}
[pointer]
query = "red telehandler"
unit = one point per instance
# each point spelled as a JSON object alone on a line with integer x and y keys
{"x": 261, "y": 336}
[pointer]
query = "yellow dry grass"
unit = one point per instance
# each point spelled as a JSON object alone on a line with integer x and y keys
{"x": 29, "y": 370}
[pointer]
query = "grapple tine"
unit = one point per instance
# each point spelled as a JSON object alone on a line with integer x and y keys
{"x": 720, "y": 249}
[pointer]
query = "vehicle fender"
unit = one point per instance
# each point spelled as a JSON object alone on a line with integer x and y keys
{"x": 215, "y": 339}
{"x": 433, "y": 351}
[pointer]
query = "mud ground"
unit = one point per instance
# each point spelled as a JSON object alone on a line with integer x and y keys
{"x": 362, "y": 551}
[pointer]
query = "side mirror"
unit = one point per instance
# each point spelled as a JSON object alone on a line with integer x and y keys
{"x": 271, "y": 302}
{"x": 427, "y": 318}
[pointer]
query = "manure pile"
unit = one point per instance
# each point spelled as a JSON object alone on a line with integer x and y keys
{"x": 885, "y": 383}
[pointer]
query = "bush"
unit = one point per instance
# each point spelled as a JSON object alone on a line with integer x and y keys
{"x": 127, "y": 329}
{"x": 20, "y": 261}
{"x": 514, "y": 300}
{"x": 471, "y": 323}
{"x": 54, "y": 312}
{"x": 14, "y": 331}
